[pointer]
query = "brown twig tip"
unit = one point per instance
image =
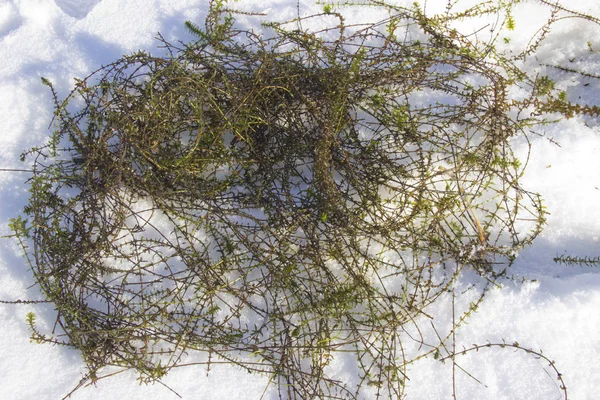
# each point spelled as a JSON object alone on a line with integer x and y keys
{"x": 515, "y": 345}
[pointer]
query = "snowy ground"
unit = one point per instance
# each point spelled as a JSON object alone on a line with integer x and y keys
{"x": 559, "y": 313}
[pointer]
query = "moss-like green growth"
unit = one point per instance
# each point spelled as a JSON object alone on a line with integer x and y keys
{"x": 273, "y": 200}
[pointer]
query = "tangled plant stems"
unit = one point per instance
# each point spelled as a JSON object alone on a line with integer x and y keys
{"x": 277, "y": 200}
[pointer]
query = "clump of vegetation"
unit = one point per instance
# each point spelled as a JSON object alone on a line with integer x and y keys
{"x": 275, "y": 200}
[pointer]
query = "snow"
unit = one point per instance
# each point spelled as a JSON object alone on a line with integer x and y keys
{"x": 557, "y": 312}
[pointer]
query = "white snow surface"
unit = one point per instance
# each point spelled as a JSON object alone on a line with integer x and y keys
{"x": 558, "y": 313}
